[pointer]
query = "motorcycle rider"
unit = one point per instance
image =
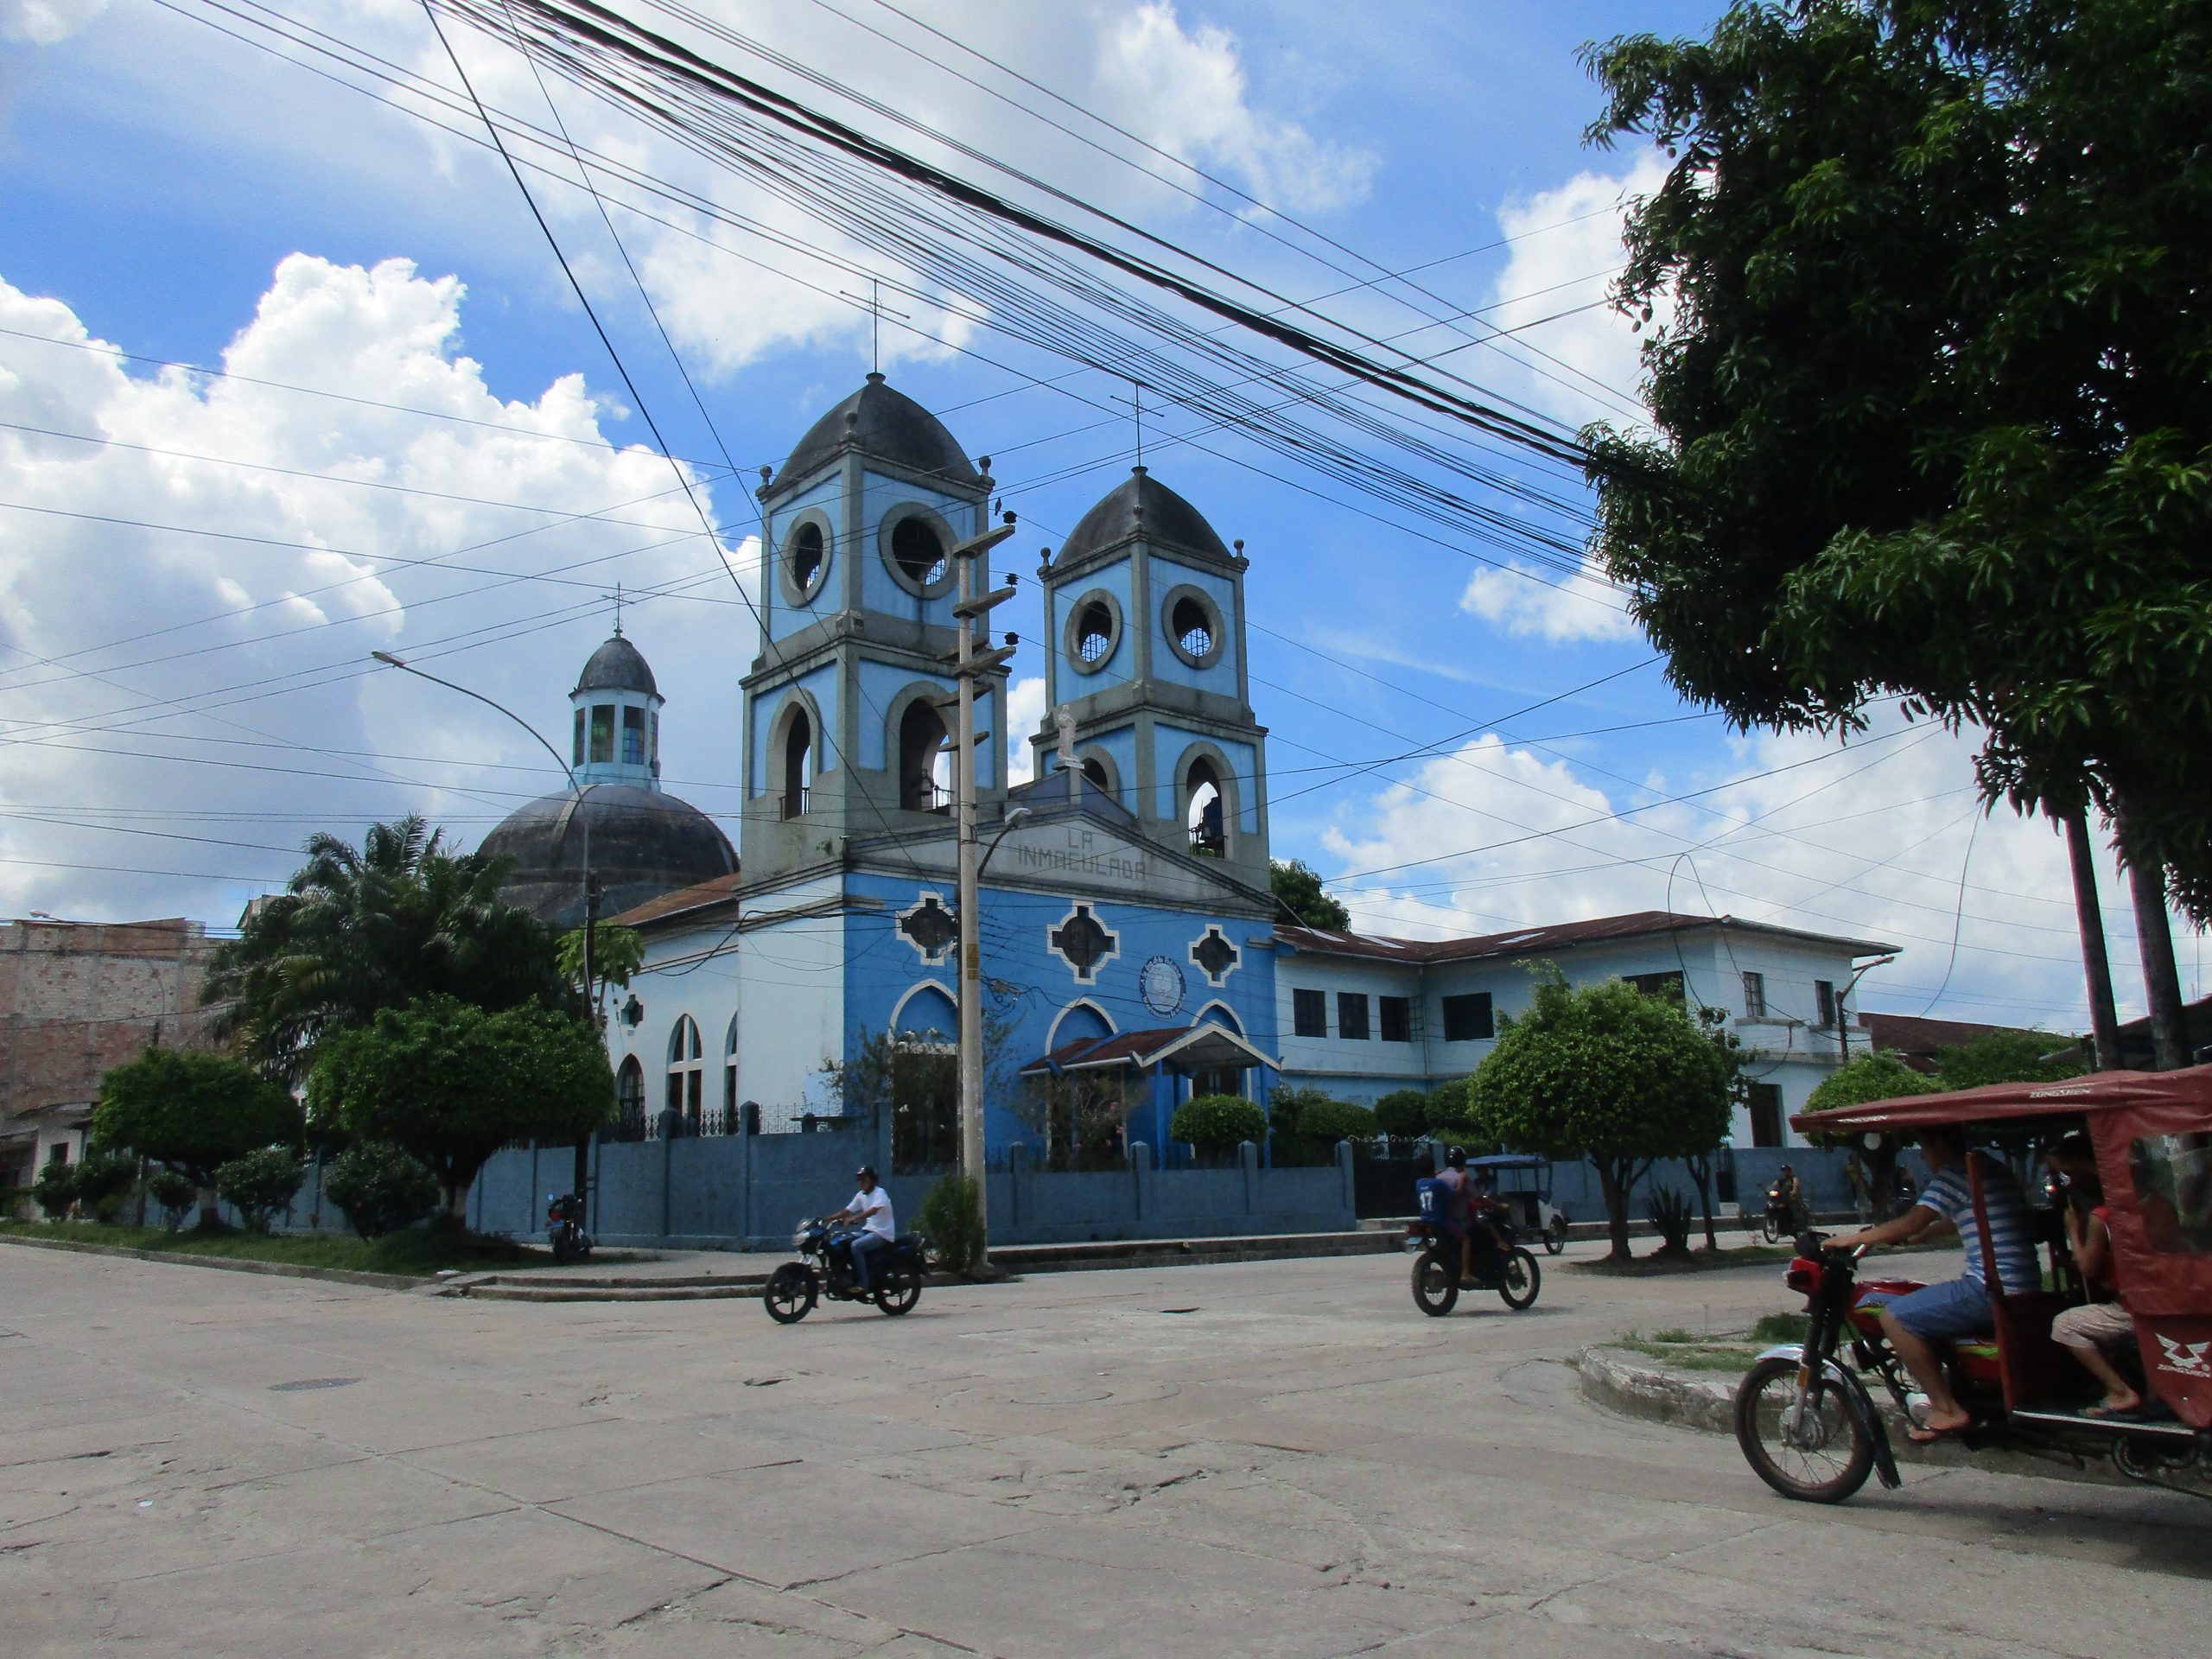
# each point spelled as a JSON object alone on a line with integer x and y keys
{"x": 1453, "y": 1179}
{"x": 1788, "y": 1198}
{"x": 869, "y": 1209}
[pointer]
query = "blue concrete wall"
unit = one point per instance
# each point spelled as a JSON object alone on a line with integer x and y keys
{"x": 745, "y": 1192}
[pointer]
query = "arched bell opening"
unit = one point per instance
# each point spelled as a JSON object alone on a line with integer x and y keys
{"x": 925, "y": 759}
{"x": 798, "y": 763}
{"x": 1204, "y": 812}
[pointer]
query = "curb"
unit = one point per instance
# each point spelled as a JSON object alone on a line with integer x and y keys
{"x": 1624, "y": 1383}
{"x": 227, "y": 1264}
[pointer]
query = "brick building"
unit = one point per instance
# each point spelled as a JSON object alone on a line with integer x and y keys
{"x": 79, "y": 997}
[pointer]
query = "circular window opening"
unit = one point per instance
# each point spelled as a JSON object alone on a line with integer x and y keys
{"x": 1094, "y": 632}
{"x": 920, "y": 553}
{"x": 1192, "y": 626}
{"x": 806, "y": 556}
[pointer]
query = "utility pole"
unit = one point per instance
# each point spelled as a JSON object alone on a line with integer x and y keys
{"x": 2090, "y": 919}
{"x": 969, "y": 666}
{"x": 1842, "y": 1014}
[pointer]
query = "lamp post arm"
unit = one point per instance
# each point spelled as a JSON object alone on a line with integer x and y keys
{"x": 391, "y": 661}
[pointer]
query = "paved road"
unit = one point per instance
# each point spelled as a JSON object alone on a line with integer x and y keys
{"x": 1276, "y": 1458}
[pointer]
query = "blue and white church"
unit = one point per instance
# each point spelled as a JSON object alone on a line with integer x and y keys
{"x": 1133, "y": 954}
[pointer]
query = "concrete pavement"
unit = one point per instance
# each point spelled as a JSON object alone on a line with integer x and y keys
{"x": 1278, "y": 1458}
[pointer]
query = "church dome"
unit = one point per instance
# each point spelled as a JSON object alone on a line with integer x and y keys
{"x": 887, "y": 425}
{"x": 618, "y": 665}
{"x": 1140, "y": 503}
{"x": 643, "y": 843}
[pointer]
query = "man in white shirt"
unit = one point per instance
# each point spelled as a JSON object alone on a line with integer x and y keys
{"x": 870, "y": 1210}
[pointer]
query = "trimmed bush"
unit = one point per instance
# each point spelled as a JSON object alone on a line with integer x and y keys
{"x": 1451, "y": 1111}
{"x": 55, "y": 1189}
{"x": 105, "y": 1179}
{"x": 1218, "y": 1122}
{"x": 1329, "y": 1122}
{"x": 952, "y": 1221}
{"x": 1402, "y": 1113}
{"x": 381, "y": 1188}
{"x": 175, "y": 1194}
{"x": 260, "y": 1183}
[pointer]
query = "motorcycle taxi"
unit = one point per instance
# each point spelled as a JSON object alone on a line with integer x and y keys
{"x": 1804, "y": 1417}
{"x": 1523, "y": 1185}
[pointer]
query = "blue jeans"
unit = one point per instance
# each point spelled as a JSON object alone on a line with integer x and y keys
{"x": 863, "y": 1246}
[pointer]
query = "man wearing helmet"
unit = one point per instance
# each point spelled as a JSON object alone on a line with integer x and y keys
{"x": 869, "y": 1209}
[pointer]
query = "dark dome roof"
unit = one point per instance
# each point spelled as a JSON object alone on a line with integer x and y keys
{"x": 618, "y": 665}
{"x": 1141, "y": 502}
{"x": 885, "y": 423}
{"x": 643, "y": 843}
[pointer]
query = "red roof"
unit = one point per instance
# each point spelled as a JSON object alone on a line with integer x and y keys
{"x": 1534, "y": 940}
{"x": 713, "y": 891}
{"x": 2099, "y": 1091}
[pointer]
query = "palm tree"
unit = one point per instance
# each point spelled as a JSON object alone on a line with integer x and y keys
{"x": 376, "y": 927}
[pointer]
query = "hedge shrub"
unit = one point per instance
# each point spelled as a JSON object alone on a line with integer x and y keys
{"x": 175, "y": 1194}
{"x": 55, "y": 1189}
{"x": 1218, "y": 1122}
{"x": 260, "y": 1183}
{"x": 103, "y": 1180}
{"x": 952, "y": 1220}
{"x": 1404, "y": 1114}
{"x": 1331, "y": 1120}
{"x": 381, "y": 1188}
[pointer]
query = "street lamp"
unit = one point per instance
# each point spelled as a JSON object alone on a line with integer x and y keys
{"x": 1843, "y": 1022}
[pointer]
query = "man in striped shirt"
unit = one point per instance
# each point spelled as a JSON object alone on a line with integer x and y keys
{"x": 1957, "y": 1310}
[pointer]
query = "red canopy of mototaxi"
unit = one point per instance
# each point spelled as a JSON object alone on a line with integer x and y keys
{"x": 2164, "y": 1275}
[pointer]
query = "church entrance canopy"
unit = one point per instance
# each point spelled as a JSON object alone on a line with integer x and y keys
{"x": 1179, "y": 1048}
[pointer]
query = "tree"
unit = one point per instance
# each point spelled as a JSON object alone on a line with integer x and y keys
{"x": 380, "y": 1188}
{"x": 2008, "y": 1057}
{"x": 1298, "y": 889}
{"x": 1736, "y": 1060}
{"x": 361, "y": 930}
{"x": 1932, "y": 412}
{"x": 194, "y": 1112}
{"x": 260, "y": 1183}
{"x": 450, "y": 1083}
{"x": 617, "y": 953}
{"x": 1603, "y": 1073}
{"x": 1871, "y": 1077}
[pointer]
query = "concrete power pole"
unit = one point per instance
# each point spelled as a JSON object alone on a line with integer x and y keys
{"x": 970, "y": 666}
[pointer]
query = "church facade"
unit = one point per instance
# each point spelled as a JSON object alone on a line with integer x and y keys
{"x": 1132, "y": 953}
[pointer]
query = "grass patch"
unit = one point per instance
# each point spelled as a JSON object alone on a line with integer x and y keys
{"x": 1685, "y": 1352}
{"x": 417, "y": 1253}
{"x": 1780, "y": 1327}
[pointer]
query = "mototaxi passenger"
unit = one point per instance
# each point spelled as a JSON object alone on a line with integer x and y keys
{"x": 2103, "y": 1322}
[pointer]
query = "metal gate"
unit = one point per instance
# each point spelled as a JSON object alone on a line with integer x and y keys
{"x": 1383, "y": 1178}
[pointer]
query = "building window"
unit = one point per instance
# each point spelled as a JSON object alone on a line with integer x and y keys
{"x": 730, "y": 1125}
{"x": 630, "y": 1100}
{"x": 633, "y": 737}
{"x": 579, "y": 758}
{"x": 1192, "y": 627}
{"x": 1203, "y": 812}
{"x": 602, "y": 733}
{"x": 1397, "y": 1014}
{"x": 1352, "y": 1016}
{"x": 1668, "y": 986}
{"x": 1754, "y": 995}
{"x": 918, "y": 550}
{"x": 1309, "y": 1014}
{"x": 806, "y": 554}
{"x": 1467, "y": 1018}
{"x": 1766, "y": 1115}
{"x": 1094, "y": 632}
{"x": 925, "y": 758}
{"x": 687, "y": 1072}
{"x": 1824, "y": 1003}
{"x": 798, "y": 763}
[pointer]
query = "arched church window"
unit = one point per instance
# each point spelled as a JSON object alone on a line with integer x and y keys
{"x": 1094, "y": 632}
{"x": 633, "y": 737}
{"x": 925, "y": 760}
{"x": 798, "y": 763}
{"x": 630, "y": 1100}
{"x": 806, "y": 556}
{"x": 729, "y": 1078}
{"x": 687, "y": 1072}
{"x": 1095, "y": 769}
{"x": 918, "y": 550}
{"x": 1203, "y": 812}
{"x": 1192, "y": 626}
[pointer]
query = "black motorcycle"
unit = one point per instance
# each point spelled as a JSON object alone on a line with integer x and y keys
{"x": 824, "y": 1268}
{"x": 1500, "y": 1264}
{"x": 565, "y": 1227}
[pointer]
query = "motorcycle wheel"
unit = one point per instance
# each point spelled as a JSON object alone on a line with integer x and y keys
{"x": 900, "y": 1289}
{"x": 1836, "y": 1452}
{"x": 1768, "y": 1230}
{"x": 561, "y": 1247}
{"x": 789, "y": 1295}
{"x": 1556, "y": 1236}
{"x": 1436, "y": 1286}
{"x": 1519, "y": 1280}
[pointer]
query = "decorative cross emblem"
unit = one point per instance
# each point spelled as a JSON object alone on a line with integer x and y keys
{"x": 1082, "y": 943}
{"x": 929, "y": 928}
{"x": 1215, "y": 955}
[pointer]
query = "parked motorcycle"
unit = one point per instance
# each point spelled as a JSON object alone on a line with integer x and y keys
{"x": 565, "y": 1227}
{"x": 824, "y": 1268}
{"x": 1505, "y": 1268}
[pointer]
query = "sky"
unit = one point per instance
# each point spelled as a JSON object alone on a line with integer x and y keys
{"x": 289, "y": 374}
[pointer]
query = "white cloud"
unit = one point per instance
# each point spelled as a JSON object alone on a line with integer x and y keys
{"x": 1025, "y": 703}
{"x": 1586, "y": 365}
{"x": 135, "y": 646}
{"x": 1582, "y": 606}
{"x": 46, "y": 22}
{"x": 1497, "y": 837}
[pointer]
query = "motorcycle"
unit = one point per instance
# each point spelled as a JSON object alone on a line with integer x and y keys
{"x": 1780, "y": 1221}
{"x": 1504, "y": 1266}
{"x": 824, "y": 1269}
{"x": 565, "y": 1227}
